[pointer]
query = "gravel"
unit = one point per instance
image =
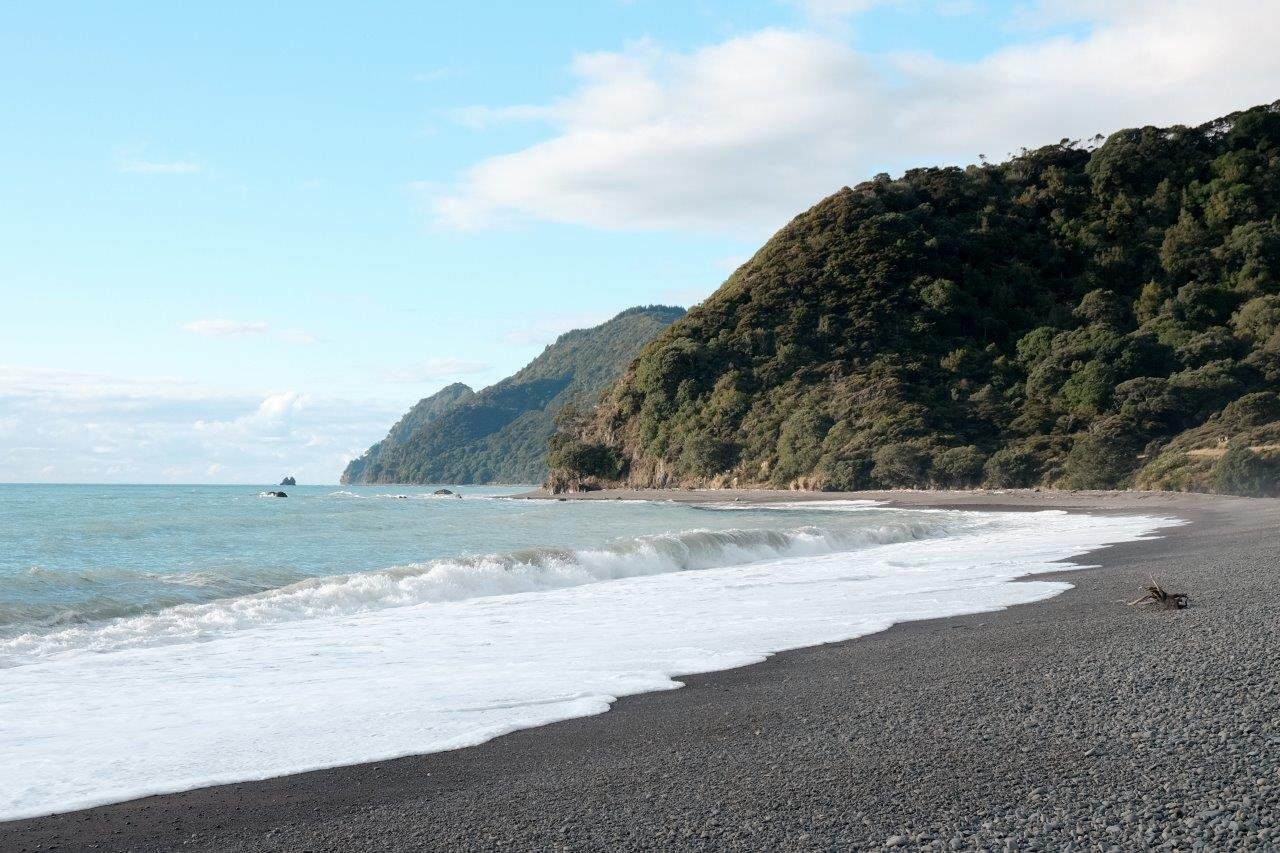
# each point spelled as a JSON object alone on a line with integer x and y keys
{"x": 1071, "y": 724}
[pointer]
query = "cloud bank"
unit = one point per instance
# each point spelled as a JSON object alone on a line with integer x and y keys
{"x": 739, "y": 136}
{"x": 58, "y": 426}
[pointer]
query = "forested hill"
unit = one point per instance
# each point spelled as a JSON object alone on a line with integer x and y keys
{"x": 499, "y": 434}
{"x": 367, "y": 468}
{"x": 1076, "y": 316}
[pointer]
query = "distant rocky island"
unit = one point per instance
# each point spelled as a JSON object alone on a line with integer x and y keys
{"x": 499, "y": 434}
{"x": 1080, "y": 316}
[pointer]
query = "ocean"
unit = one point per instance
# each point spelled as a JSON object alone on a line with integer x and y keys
{"x": 160, "y": 638}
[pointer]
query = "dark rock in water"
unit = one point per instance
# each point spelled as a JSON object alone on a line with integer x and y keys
{"x": 288, "y": 481}
{"x": 275, "y": 494}
{"x": 442, "y": 492}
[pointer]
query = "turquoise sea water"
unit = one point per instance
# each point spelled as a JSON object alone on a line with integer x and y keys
{"x": 76, "y": 554}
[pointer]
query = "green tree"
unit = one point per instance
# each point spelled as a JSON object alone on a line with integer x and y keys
{"x": 1101, "y": 459}
{"x": 959, "y": 467}
{"x": 900, "y": 464}
{"x": 1013, "y": 467}
{"x": 1241, "y": 471}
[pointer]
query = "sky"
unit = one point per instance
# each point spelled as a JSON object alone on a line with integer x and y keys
{"x": 238, "y": 240}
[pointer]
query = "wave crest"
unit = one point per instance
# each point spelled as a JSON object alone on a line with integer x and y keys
{"x": 456, "y": 579}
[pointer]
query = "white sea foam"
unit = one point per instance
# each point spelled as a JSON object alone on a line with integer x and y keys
{"x": 457, "y": 579}
{"x": 328, "y": 673}
{"x": 417, "y": 496}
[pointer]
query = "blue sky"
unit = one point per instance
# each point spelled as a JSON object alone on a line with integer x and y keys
{"x": 237, "y": 240}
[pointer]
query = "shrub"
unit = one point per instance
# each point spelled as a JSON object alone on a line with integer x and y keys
{"x": 707, "y": 455}
{"x": 900, "y": 464}
{"x": 1240, "y": 471}
{"x": 800, "y": 443}
{"x": 1013, "y": 467}
{"x": 846, "y": 475}
{"x": 1172, "y": 471}
{"x": 1088, "y": 391}
{"x": 1258, "y": 318}
{"x": 1201, "y": 390}
{"x": 1252, "y": 410}
{"x": 1213, "y": 344}
{"x": 1205, "y": 304}
{"x": 957, "y": 467}
{"x": 1101, "y": 459}
{"x": 584, "y": 459}
{"x": 1145, "y": 402}
{"x": 1103, "y": 308}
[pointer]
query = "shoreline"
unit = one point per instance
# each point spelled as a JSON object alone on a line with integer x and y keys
{"x": 1000, "y": 500}
{"x": 447, "y": 800}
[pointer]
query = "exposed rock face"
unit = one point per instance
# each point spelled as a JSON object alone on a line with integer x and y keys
{"x": 288, "y": 481}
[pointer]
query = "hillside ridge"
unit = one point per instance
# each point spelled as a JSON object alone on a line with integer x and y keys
{"x": 1078, "y": 316}
{"x": 499, "y": 434}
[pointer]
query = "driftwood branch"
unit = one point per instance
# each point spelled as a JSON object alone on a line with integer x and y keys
{"x": 1157, "y": 595}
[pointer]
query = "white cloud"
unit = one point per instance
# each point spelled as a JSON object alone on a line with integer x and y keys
{"x": 272, "y": 420}
{"x": 435, "y": 369}
{"x": 62, "y": 425}
{"x": 297, "y": 336}
{"x": 224, "y": 328}
{"x": 741, "y": 135}
{"x": 70, "y": 386}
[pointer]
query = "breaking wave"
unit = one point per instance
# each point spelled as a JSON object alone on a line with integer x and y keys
{"x": 455, "y": 579}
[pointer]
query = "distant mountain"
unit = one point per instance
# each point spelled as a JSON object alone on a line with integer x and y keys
{"x": 369, "y": 467}
{"x": 1079, "y": 316}
{"x": 499, "y": 434}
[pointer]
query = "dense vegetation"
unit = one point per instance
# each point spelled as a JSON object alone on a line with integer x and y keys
{"x": 369, "y": 466}
{"x": 499, "y": 434}
{"x": 1077, "y": 316}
